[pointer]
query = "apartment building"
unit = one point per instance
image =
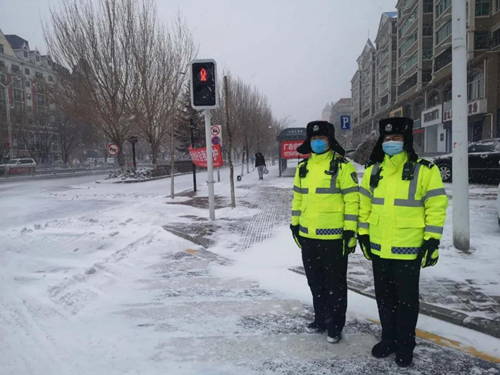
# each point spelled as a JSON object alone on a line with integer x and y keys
{"x": 364, "y": 81}
{"x": 25, "y": 77}
{"x": 342, "y": 108}
{"x": 385, "y": 65}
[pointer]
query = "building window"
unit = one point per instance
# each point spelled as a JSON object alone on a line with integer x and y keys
{"x": 475, "y": 86}
{"x": 448, "y": 92}
{"x": 16, "y": 83}
{"x": 40, "y": 100}
{"x": 483, "y": 8}
{"x": 408, "y": 43}
{"x": 26, "y": 71}
{"x": 28, "y": 96}
{"x": 427, "y": 30}
{"x": 443, "y": 33}
{"x": 39, "y": 75}
{"x": 15, "y": 68}
{"x": 1, "y": 48}
{"x": 25, "y": 54}
{"x": 442, "y": 60}
{"x": 427, "y": 53}
{"x": 51, "y": 79}
{"x": 408, "y": 84}
{"x": 481, "y": 40}
{"x": 408, "y": 64}
{"x": 28, "y": 84}
{"x": 37, "y": 58}
{"x": 497, "y": 5}
{"x": 442, "y": 7}
{"x": 3, "y": 78}
{"x": 408, "y": 23}
{"x": 2, "y": 64}
{"x": 495, "y": 40}
{"x": 18, "y": 96}
{"x": 428, "y": 6}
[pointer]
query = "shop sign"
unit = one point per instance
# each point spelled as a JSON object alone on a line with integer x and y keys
{"x": 432, "y": 116}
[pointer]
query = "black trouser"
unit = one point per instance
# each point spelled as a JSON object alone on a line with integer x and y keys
{"x": 396, "y": 289}
{"x": 326, "y": 271}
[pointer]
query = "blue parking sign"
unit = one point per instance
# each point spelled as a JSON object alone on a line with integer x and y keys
{"x": 345, "y": 122}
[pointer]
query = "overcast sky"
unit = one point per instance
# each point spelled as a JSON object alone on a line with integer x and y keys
{"x": 300, "y": 53}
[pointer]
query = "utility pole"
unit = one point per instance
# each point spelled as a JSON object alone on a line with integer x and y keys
{"x": 460, "y": 167}
{"x": 9, "y": 123}
{"x": 191, "y": 124}
{"x": 230, "y": 136}
{"x": 210, "y": 165}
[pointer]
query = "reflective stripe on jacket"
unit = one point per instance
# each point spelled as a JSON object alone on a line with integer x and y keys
{"x": 325, "y": 205}
{"x": 398, "y": 214}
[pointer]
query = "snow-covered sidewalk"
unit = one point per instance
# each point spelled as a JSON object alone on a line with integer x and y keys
{"x": 91, "y": 282}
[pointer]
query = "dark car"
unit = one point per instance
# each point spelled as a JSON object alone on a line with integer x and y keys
{"x": 484, "y": 162}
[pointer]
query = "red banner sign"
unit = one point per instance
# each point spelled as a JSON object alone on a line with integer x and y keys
{"x": 289, "y": 150}
{"x": 199, "y": 156}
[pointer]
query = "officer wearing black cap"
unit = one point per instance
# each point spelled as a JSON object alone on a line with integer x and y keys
{"x": 324, "y": 223}
{"x": 401, "y": 218}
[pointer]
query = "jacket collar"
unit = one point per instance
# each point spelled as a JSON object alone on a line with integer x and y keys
{"x": 327, "y": 156}
{"x": 396, "y": 162}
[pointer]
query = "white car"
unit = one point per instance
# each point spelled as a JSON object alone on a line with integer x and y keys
{"x": 24, "y": 165}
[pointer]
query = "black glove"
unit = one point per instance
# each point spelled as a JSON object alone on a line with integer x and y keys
{"x": 296, "y": 236}
{"x": 429, "y": 252}
{"x": 364, "y": 243}
{"x": 349, "y": 238}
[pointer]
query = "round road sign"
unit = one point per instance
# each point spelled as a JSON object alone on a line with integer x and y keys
{"x": 215, "y": 130}
{"x": 113, "y": 149}
{"x": 215, "y": 141}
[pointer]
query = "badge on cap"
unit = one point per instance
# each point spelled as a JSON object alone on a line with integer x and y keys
{"x": 316, "y": 128}
{"x": 388, "y": 127}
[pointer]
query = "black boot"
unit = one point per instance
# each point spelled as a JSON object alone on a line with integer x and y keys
{"x": 315, "y": 327}
{"x": 404, "y": 357}
{"x": 383, "y": 349}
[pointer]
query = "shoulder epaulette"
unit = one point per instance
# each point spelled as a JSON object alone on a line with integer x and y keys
{"x": 369, "y": 164}
{"x": 343, "y": 160}
{"x": 427, "y": 163}
{"x": 303, "y": 161}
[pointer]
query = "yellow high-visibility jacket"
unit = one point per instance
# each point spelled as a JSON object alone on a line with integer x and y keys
{"x": 324, "y": 205}
{"x": 400, "y": 214}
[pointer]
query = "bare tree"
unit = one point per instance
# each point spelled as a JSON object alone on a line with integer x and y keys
{"x": 93, "y": 41}
{"x": 160, "y": 57}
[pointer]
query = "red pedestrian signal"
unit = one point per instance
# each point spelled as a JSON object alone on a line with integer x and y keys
{"x": 203, "y": 84}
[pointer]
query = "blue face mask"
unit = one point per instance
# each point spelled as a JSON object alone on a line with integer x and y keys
{"x": 319, "y": 146}
{"x": 392, "y": 148}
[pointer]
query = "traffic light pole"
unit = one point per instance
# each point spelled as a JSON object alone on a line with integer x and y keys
{"x": 460, "y": 167}
{"x": 210, "y": 166}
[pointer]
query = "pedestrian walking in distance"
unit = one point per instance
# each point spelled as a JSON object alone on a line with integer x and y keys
{"x": 260, "y": 164}
{"x": 324, "y": 223}
{"x": 401, "y": 217}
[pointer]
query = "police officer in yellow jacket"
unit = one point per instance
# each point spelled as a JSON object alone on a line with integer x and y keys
{"x": 324, "y": 223}
{"x": 402, "y": 213}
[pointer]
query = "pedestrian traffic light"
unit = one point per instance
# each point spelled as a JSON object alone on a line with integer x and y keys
{"x": 204, "y": 92}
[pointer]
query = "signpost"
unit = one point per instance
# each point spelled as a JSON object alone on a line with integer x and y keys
{"x": 216, "y": 131}
{"x": 205, "y": 95}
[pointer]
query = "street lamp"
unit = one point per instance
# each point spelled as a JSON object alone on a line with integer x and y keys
{"x": 9, "y": 124}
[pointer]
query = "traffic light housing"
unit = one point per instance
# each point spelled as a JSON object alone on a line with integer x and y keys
{"x": 204, "y": 90}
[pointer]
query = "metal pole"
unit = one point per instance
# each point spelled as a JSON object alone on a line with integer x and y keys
{"x": 218, "y": 174}
{"x": 460, "y": 167}
{"x": 133, "y": 156}
{"x": 9, "y": 124}
{"x": 210, "y": 167}
{"x": 191, "y": 124}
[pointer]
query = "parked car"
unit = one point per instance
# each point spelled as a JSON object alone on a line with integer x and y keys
{"x": 19, "y": 166}
{"x": 484, "y": 162}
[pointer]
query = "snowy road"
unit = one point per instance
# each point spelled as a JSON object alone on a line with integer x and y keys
{"x": 90, "y": 282}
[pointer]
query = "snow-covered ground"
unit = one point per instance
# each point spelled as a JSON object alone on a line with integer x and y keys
{"x": 91, "y": 282}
